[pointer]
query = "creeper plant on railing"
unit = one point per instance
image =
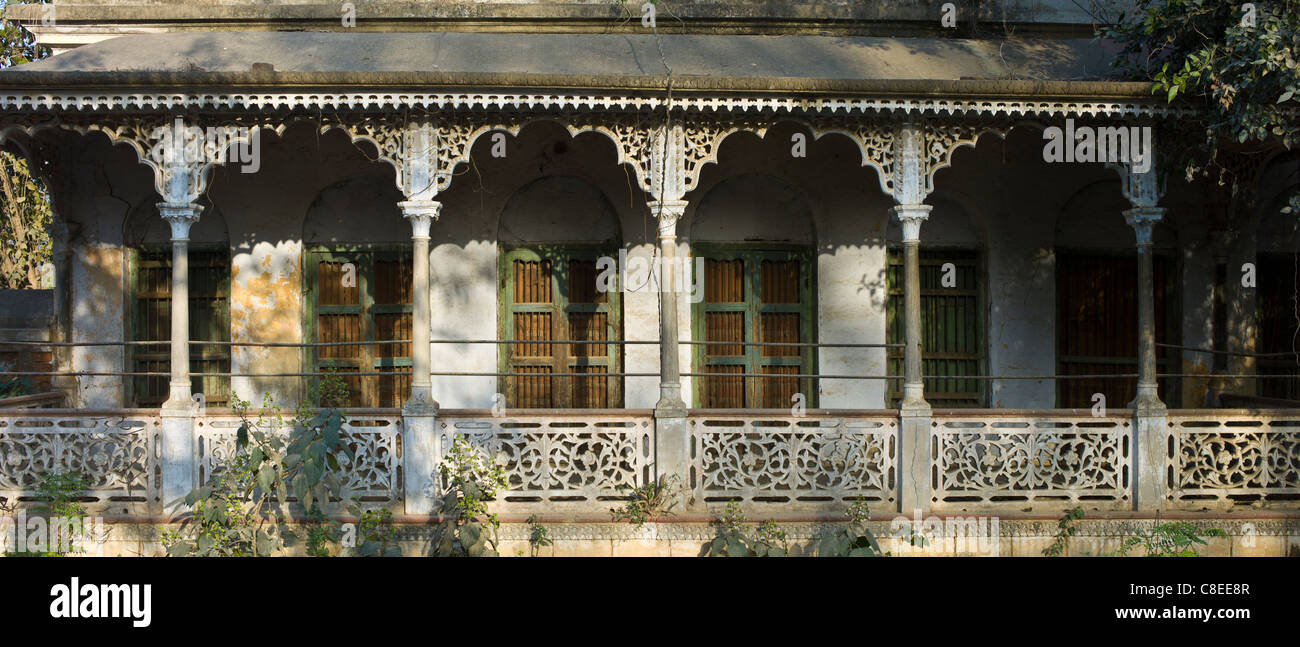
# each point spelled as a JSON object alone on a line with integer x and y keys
{"x": 58, "y": 493}
{"x": 470, "y": 480}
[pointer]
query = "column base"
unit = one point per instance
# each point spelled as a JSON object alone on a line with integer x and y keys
{"x": 914, "y": 451}
{"x": 176, "y": 458}
{"x": 1147, "y": 401}
{"x": 179, "y": 399}
{"x": 421, "y": 400}
{"x": 914, "y": 399}
{"x": 670, "y": 401}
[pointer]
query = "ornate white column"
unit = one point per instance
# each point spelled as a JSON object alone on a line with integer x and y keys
{"x": 1150, "y": 418}
{"x": 669, "y": 181}
{"x": 181, "y": 162}
{"x": 420, "y": 181}
{"x": 178, "y": 411}
{"x": 911, "y": 216}
{"x": 911, "y": 163}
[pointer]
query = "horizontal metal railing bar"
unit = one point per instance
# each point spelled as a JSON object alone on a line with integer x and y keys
{"x": 1292, "y": 353}
{"x": 610, "y": 375}
{"x": 1027, "y": 413}
{"x": 568, "y": 413}
{"x": 785, "y": 412}
{"x": 619, "y": 342}
{"x": 593, "y": 342}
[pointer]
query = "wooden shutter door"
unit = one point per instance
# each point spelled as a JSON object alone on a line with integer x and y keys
{"x": 754, "y": 296}
{"x": 340, "y": 317}
{"x": 1097, "y": 326}
{"x": 392, "y": 312}
{"x": 725, "y": 320}
{"x": 551, "y": 294}
{"x": 531, "y": 317}
{"x": 209, "y": 292}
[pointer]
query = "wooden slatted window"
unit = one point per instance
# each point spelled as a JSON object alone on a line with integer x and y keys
{"x": 1276, "y": 277}
{"x": 754, "y": 295}
{"x": 550, "y": 293}
{"x": 363, "y": 296}
{"x": 952, "y": 327}
{"x": 150, "y": 316}
{"x": 1097, "y": 313}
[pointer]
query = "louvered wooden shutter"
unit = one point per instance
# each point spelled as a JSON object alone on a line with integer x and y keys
{"x": 551, "y": 294}
{"x": 376, "y": 307}
{"x": 754, "y": 296}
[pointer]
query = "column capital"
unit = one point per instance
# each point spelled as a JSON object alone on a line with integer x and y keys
{"x": 181, "y": 215}
{"x": 421, "y": 214}
{"x": 668, "y": 212}
{"x": 911, "y": 216}
{"x": 1142, "y": 220}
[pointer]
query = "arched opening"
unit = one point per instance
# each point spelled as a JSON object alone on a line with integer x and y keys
{"x": 360, "y": 291}
{"x": 559, "y": 241}
{"x": 952, "y": 306}
{"x": 1097, "y": 299}
{"x": 147, "y": 239}
{"x": 752, "y": 247}
{"x": 1277, "y": 275}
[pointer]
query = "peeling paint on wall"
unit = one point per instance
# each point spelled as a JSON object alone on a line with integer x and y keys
{"x": 266, "y": 306}
{"x": 98, "y": 284}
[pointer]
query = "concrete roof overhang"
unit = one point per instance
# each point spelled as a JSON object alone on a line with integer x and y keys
{"x": 769, "y": 65}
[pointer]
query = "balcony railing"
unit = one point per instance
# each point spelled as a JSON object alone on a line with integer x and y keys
{"x": 574, "y": 463}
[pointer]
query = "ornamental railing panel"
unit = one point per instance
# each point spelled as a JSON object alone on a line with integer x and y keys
{"x": 559, "y": 461}
{"x": 817, "y": 460}
{"x": 374, "y": 474}
{"x": 1222, "y": 459}
{"x": 115, "y": 452}
{"x": 1031, "y": 460}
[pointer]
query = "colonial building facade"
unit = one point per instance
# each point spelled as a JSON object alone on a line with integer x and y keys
{"x": 790, "y": 260}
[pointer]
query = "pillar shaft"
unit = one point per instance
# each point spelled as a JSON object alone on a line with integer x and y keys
{"x": 1142, "y": 219}
{"x": 668, "y": 213}
{"x": 911, "y": 216}
{"x": 1150, "y": 422}
{"x": 181, "y": 216}
{"x": 421, "y": 214}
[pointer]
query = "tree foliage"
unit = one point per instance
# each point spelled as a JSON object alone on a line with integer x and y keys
{"x": 1237, "y": 62}
{"x": 24, "y": 240}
